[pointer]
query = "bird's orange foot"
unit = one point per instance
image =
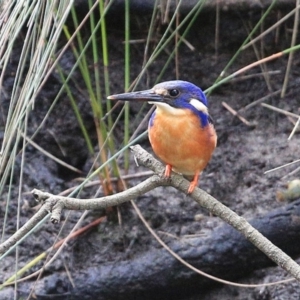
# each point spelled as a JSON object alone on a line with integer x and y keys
{"x": 168, "y": 171}
{"x": 193, "y": 183}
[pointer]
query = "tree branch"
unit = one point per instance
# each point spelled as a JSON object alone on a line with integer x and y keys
{"x": 56, "y": 204}
{"x": 215, "y": 207}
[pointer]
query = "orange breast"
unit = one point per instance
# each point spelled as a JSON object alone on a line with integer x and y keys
{"x": 181, "y": 141}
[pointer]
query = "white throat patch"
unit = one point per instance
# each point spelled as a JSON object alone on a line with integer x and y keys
{"x": 166, "y": 108}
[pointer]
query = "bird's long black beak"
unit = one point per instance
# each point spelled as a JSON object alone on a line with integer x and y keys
{"x": 147, "y": 95}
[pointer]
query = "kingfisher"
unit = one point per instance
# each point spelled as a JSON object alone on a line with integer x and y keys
{"x": 181, "y": 131}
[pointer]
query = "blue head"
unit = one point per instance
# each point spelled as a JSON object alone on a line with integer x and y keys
{"x": 179, "y": 92}
{"x": 171, "y": 96}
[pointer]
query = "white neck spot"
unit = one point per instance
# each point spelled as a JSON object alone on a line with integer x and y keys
{"x": 199, "y": 105}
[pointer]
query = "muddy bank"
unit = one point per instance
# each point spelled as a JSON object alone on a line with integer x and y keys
{"x": 235, "y": 175}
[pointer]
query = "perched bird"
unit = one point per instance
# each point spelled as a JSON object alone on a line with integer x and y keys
{"x": 181, "y": 131}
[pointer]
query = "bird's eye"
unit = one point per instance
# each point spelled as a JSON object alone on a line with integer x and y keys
{"x": 173, "y": 93}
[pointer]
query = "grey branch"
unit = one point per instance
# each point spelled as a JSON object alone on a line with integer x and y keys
{"x": 56, "y": 204}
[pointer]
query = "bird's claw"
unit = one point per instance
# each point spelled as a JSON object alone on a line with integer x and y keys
{"x": 167, "y": 172}
{"x": 193, "y": 183}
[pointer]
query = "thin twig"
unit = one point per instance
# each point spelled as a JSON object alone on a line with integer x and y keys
{"x": 261, "y": 99}
{"x": 271, "y": 28}
{"x": 236, "y": 114}
{"x": 294, "y": 129}
{"x": 188, "y": 265}
{"x": 51, "y": 156}
{"x": 282, "y": 166}
{"x": 285, "y": 112}
{"x": 73, "y": 234}
{"x": 255, "y": 75}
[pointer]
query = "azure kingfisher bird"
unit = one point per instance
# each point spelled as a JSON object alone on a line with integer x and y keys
{"x": 181, "y": 132}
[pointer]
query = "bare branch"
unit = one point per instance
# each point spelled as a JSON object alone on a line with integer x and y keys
{"x": 227, "y": 215}
{"x": 56, "y": 204}
{"x": 18, "y": 235}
